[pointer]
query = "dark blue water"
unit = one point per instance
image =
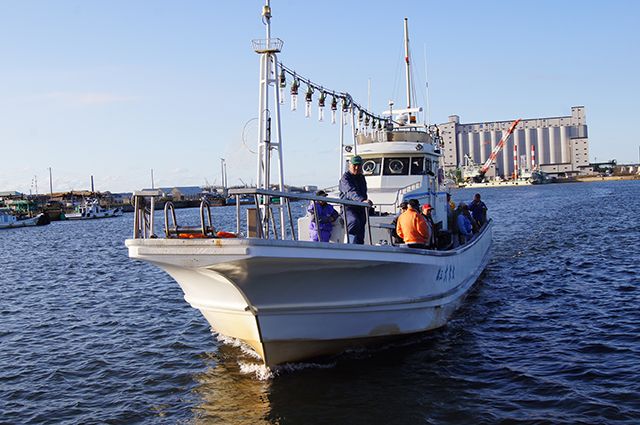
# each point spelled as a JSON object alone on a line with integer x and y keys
{"x": 551, "y": 333}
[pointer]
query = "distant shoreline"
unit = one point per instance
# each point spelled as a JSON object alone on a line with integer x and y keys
{"x": 607, "y": 178}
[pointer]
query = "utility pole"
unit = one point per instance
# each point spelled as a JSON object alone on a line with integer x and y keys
{"x": 50, "y": 183}
{"x": 223, "y": 170}
{"x": 152, "y": 183}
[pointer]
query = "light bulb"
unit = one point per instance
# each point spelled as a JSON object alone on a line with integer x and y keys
{"x": 321, "y": 113}
{"x": 283, "y": 84}
{"x": 294, "y": 94}
{"x": 307, "y": 109}
{"x": 308, "y": 98}
{"x": 333, "y": 116}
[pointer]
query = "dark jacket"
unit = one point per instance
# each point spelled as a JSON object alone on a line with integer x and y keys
{"x": 478, "y": 211}
{"x": 354, "y": 188}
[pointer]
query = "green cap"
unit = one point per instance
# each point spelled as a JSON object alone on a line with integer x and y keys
{"x": 356, "y": 160}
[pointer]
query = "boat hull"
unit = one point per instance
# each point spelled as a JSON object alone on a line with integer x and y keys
{"x": 92, "y": 216}
{"x": 293, "y": 301}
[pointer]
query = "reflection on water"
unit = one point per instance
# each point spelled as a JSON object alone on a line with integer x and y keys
{"x": 228, "y": 396}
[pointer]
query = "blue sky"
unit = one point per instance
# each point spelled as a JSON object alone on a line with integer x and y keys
{"x": 115, "y": 88}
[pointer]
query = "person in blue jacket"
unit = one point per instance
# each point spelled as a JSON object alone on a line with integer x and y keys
{"x": 465, "y": 229}
{"x": 353, "y": 187}
{"x": 326, "y": 216}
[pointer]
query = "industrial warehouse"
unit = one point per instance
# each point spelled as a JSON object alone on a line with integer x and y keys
{"x": 557, "y": 146}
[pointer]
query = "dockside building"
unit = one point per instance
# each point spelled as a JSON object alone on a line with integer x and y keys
{"x": 558, "y": 146}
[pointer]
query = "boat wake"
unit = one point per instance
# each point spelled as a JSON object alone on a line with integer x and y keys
{"x": 264, "y": 373}
{"x": 259, "y": 370}
{"x": 234, "y": 342}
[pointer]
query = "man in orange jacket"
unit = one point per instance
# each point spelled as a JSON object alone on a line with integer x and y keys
{"x": 412, "y": 227}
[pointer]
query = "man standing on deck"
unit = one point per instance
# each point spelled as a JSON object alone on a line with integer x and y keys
{"x": 478, "y": 210}
{"x": 353, "y": 187}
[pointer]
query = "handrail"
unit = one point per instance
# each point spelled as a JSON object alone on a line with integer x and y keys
{"x": 206, "y": 229}
{"x": 403, "y": 190}
{"x": 297, "y": 196}
{"x": 143, "y": 220}
{"x": 168, "y": 207}
{"x": 143, "y": 223}
{"x": 331, "y": 188}
{"x": 287, "y": 196}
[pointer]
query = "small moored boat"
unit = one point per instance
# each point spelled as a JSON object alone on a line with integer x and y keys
{"x": 91, "y": 209}
{"x": 9, "y": 221}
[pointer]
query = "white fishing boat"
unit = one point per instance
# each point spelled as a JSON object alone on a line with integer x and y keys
{"x": 9, "y": 221}
{"x": 292, "y": 299}
{"x": 91, "y": 209}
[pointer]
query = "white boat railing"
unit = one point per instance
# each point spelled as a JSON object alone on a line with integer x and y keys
{"x": 266, "y": 217}
{"x": 205, "y": 229}
{"x": 264, "y": 201}
{"x": 406, "y": 189}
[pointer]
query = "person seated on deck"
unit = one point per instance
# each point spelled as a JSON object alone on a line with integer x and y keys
{"x": 478, "y": 210}
{"x": 412, "y": 226}
{"x": 452, "y": 221}
{"x": 326, "y": 215}
{"x": 465, "y": 229}
{"x": 426, "y": 213}
{"x": 395, "y": 238}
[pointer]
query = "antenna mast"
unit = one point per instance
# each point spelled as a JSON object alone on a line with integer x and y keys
{"x": 426, "y": 77}
{"x": 406, "y": 59}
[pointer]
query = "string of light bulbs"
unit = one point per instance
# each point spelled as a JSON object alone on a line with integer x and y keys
{"x": 366, "y": 118}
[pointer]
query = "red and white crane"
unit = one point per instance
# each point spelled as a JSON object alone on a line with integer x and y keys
{"x": 494, "y": 152}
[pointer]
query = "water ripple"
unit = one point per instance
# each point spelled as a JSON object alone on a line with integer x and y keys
{"x": 551, "y": 334}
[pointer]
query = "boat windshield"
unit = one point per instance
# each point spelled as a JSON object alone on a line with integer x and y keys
{"x": 397, "y": 166}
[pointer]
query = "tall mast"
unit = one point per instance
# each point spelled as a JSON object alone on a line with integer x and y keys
{"x": 267, "y": 49}
{"x": 406, "y": 59}
{"x": 50, "y": 183}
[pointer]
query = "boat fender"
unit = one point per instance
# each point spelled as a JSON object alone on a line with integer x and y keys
{"x": 226, "y": 235}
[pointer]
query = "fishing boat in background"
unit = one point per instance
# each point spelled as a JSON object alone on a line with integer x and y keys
{"x": 91, "y": 209}
{"x": 540, "y": 177}
{"x": 9, "y": 221}
{"x": 292, "y": 299}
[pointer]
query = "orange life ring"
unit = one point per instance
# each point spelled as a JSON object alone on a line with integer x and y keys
{"x": 226, "y": 235}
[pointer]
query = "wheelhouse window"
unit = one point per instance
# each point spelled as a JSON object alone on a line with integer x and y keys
{"x": 396, "y": 166}
{"x": 371, "y": 167}
{"x": 428, "y": 167}
{"x": 417, "y": 165}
